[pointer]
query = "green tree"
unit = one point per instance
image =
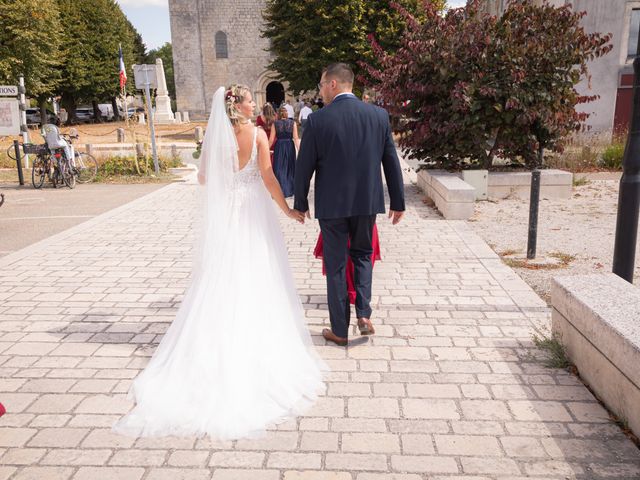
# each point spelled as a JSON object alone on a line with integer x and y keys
{"x": 30, "y": 46}
{"x": 306, "y": 36}
{"x": 90, "y": 67}
{"x": 468, "y": 86}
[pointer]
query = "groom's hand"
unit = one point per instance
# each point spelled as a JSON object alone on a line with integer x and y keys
{"x": 304, "y": 214}
{"x": 397, "y": 216}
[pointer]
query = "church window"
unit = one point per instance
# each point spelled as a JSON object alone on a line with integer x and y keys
{"x": 222, "y": 50}
{"x": 634, "y": 26}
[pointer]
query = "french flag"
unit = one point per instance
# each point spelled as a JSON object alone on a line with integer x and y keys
{"x": 123, "y": 70}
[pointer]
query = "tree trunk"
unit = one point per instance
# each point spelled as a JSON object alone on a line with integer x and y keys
{"x": 42, "y": 105}
{"x": 489, "y": 159}
{"x": 69, "y": 103}
{"x": 97, "y": 114}
{"x": 116, "y": 112}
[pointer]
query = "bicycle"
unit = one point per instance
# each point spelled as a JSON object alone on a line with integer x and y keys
{"x": 48, "y": 164}
{"x": 84, "y": 165}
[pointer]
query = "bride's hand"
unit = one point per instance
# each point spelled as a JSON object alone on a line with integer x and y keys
{"x": 295, "y": 215}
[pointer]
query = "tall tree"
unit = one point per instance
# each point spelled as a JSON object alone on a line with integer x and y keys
{"x": 306, "y": 36}
{"x": 90, "y": 53}
{"x": 30, "y": 46}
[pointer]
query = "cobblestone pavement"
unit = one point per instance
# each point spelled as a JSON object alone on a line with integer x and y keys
{"x": 450, "y": 387}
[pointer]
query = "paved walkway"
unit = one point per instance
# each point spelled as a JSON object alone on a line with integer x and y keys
{"x": 449, "y": 388}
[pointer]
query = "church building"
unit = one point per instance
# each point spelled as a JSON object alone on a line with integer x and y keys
{"x": 216, "y": 43}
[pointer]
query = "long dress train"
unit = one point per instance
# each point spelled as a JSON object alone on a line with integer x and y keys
{"x": 238, "y": 356}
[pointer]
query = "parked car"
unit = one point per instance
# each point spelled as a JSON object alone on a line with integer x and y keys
{"x": 84, "y": 115}
{"x": 33, "y": 116}
{"x": 106, "y": 110}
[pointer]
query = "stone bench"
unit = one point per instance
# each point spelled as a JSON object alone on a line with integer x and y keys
{"x": 454, "y": 197}
{"x": 598, "y": 320}
{"x": 553, "y": 184}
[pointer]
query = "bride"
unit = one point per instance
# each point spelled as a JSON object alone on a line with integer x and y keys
{"x": 238, "y": 356}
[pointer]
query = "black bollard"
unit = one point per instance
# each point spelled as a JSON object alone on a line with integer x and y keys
{"x": 624, "y": 252}
{"x": 534, "y": 201}
{"x": 16, "y": 147}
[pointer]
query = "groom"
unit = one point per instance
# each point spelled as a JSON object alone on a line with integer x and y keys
{"x": 345, "y": 144}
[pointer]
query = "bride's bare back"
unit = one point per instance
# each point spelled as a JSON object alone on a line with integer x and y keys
{"x": 244, "y": 136}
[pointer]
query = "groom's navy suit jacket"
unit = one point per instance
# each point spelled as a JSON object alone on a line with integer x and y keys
{"x": 345, "y": 144}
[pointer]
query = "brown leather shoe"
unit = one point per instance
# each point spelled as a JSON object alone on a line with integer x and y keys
{"x": 332, "y": 337}
{"x": 365, "y": 326}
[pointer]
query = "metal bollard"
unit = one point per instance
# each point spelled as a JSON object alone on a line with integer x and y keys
{"x": 120, "y": 135}
{"x": 89, "y": 148}
{"x": 178, "y": 117}
{"x": 174, "y": 151}
{"x": 16, "y": 147}
{"x": 199, "y": 134}
{"x": 140, "y": 150}
{"x": 185, "y": 117}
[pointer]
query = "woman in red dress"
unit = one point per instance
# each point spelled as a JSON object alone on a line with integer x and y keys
{"x": 317, "y": 252}
{"x": 265, "y": 120}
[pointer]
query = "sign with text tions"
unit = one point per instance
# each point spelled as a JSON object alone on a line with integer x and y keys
{"x": 8, "y": 91}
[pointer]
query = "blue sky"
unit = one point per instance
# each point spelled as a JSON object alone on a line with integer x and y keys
{"x": 151, "y": 19}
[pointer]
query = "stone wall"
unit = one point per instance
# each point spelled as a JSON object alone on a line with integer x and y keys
{"x": 198, "y": 72}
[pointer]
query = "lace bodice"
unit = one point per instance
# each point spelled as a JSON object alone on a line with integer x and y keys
{"x": 284, "y": 129}
{"x": 251, "y": 171}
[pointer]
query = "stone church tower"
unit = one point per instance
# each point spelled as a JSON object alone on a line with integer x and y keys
{"x": 216, "y": 43}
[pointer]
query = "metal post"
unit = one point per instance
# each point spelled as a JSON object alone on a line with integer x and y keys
{"x": 534, "y": 202}
{"x": 23, "y": 117}
{"x": 154, "y": 149}
{"x": 16, "y": 148}
{"x": 624, "y": 252}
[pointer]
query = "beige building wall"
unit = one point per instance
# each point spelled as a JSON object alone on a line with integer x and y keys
{"x": 198, "y": 72}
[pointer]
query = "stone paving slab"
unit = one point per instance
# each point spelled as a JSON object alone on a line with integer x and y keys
{"x": 451, "y": 386}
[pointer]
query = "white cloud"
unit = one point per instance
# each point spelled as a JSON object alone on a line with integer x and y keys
{"x": 144, "y": 3}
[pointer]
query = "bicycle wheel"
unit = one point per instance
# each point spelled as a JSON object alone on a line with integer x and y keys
{"x": 38, "y": 172}
{"x": 68, "y": 176}
{"x": 86, "y": 167}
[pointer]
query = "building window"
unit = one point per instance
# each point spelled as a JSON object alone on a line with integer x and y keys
{"x": 634, "y": 27}
{"x": 222, "y": 50}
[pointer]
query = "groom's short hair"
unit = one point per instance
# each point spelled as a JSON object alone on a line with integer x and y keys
{"x": 340, "y": 72}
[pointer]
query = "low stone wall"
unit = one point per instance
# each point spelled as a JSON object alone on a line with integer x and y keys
{"x": 553, "y": 184}
{"x": 598, "y": 320}
{"x": 454, "y": 198}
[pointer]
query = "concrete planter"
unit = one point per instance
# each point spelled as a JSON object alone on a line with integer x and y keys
{"x": 478, "y": 179}
{"x": 596, "y": 318}
{"x": 454, "y": 197}
{"x": 553, "y": 184}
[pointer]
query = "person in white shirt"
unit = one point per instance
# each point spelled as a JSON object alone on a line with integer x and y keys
{"x": 304, "y": 113}
{"x": 289, "y": 108}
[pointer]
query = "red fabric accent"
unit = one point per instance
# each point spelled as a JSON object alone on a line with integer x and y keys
{"x": 261, "y": 123}
{"x": 351, "y": 289}
{"x": 2, "y": 410}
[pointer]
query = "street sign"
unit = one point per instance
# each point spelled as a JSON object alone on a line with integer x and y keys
{"x": 9, "y": 117}
{"x": 144, "y": 74}
{"x": 8, "y": 91}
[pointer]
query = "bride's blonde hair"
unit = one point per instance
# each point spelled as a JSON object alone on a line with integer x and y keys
{"x": 235, "y": 95}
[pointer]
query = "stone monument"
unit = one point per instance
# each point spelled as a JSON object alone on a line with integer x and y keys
{"x": 163, "y": 113}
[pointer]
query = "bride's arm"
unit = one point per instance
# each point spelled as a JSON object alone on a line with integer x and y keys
{"x": 270, "y": 180}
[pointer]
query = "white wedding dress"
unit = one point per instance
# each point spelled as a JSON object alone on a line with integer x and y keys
{"x": 238, "y": 357}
